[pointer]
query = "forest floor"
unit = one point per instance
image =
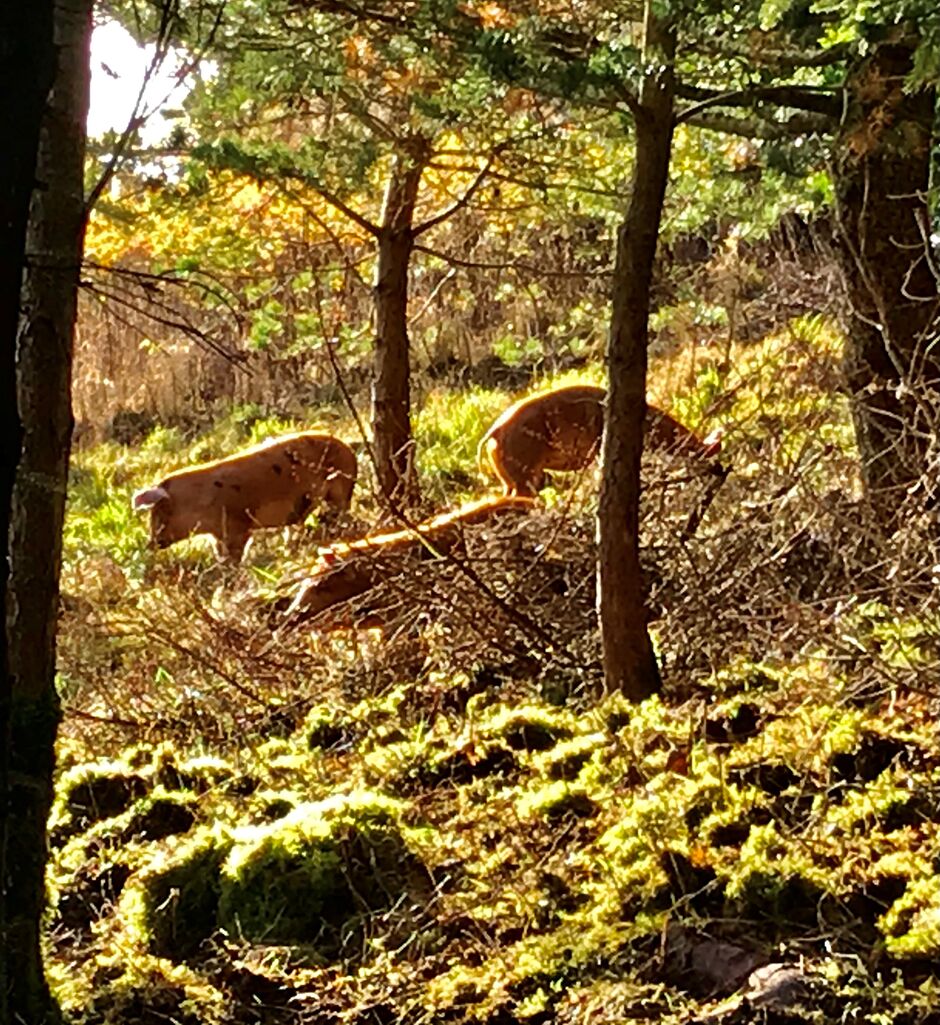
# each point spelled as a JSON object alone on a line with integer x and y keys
{"x": 443, "y": 819}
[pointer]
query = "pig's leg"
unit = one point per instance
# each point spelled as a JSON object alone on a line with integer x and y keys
{"x": 234, "y": 536}
{"x": 519, "y": 460}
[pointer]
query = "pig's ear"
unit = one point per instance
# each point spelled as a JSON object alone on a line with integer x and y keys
{"x": 149, "y": 497}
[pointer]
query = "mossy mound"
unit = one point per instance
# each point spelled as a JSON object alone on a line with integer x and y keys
{"x": 497, "y": 741}
{"x": 149, "y": 992}
{"x": 172, "y": 903}
{"x": 310, "y": 876}
{"x": 159, "y": 816}
{"x": 327, "y": 730}
{"x": 307, "y": 879}
{"x": 153, "y": 783}
{"x": 94, "y": 792}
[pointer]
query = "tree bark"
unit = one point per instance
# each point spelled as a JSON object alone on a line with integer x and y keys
{"x": 391, "y": 386}
{"x": 629, "y": 660}
{"x": 43, "y": 380}
{"x": 882, "y": 174}
{"x": 27, "y": 62}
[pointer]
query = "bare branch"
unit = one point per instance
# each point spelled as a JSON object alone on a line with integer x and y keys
{"x": 630, "y": 98}
{"x": 456, "y": 261}
{"x": 137, "y": 119}
{"x": 435, "y": 292}
{"x": 148, "y": 306}
{"x": 766, "y": 55}
{"x": 350, "y": 266}
{"x": 206, "y": 283}
{"x": 321, "y": 190}
{"x": 361, "y": 12}
{"x": 358, "y": 110}
{"x": 454, "y": 208}
{"x": 345, "y": 209}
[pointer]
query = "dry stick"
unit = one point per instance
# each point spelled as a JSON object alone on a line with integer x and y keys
{"x": 524, "y": 622}
{"x": 471, "y": 622}
{"x": 521, "y": 620}
{"x": 347, "y": 398}
{"x": 565, "y": 509}
{"x": 855, "y": 251}
{"x": 435, "y": 292}
{"x": 168, "y": 14}
{"x": 131, "y": 302}
{"x": 695, "y": 517}
{"x": 348, "y": 265}
{"x": 516, "y": 265}
{"x": 109, "y": 720}
{"x": 154, "y": 283}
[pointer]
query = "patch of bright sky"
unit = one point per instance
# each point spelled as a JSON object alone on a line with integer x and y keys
{"x": 118, "y": 69}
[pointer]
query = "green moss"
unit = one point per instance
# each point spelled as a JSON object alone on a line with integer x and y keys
{"x": 783, "y": 898}
{"x": 306, "y": 877}
{"x": 556, "y": 800}
{"x": 912, "y": 924}
{"x": 160, "y": 815}
{"x": 324, "y": 727}
{"x": 566, "y": 759}
{"x": 91, "y": 792}
{"x": 526, "y": 727}
{"x": 171, "y": 905}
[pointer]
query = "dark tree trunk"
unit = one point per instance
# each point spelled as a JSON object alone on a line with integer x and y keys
{"x": 629, "y": 661}
{"x": 882, "y": 173}
{"x": 391, "y": 386}
{"x": 43, "y": 378}
{"x": 27, "y": 62}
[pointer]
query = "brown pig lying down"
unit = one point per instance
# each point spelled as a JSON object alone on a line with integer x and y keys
{"x": 561, "y": 430}
{"x": 349, "y": 568}
{"x": 274, "y": 484}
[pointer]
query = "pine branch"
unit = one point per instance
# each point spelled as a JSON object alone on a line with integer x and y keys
{"x": 759, "y": 128}
{"x": 806, "y": 98}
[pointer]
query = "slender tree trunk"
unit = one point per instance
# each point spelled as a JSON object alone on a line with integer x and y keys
{"x": 882, "y": 174}
{"x": 629, "y": 661}
{"x": 43, "y": 375}
{"x": 391, "y": 386}
{"x": 27, "y": 63}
